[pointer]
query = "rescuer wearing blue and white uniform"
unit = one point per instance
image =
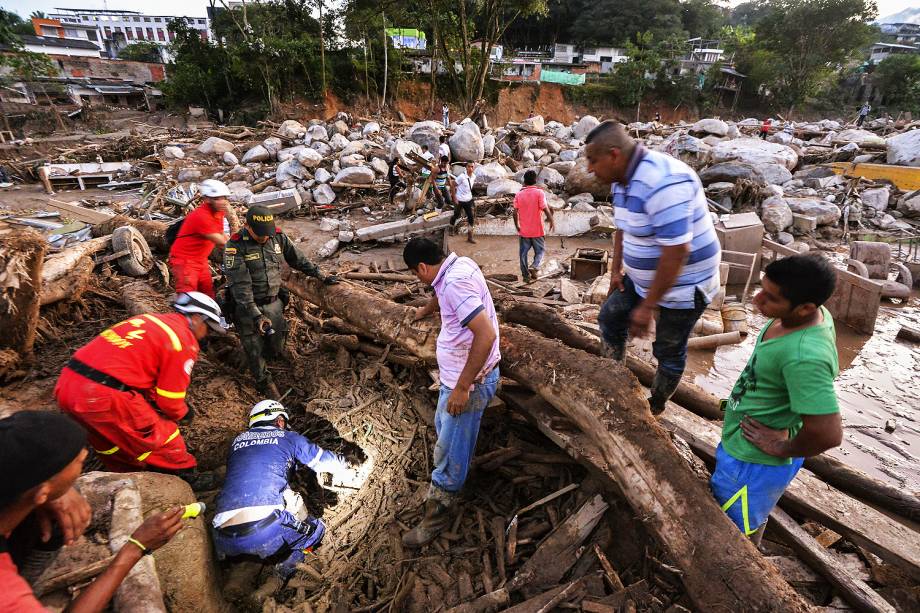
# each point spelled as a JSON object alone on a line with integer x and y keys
{"x": 257, "y": 512}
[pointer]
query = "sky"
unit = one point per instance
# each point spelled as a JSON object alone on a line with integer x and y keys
{"x": 198, "y": 8}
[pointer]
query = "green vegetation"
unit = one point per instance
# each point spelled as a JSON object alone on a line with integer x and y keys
{"x": 898, "y": 77}
{"x": 142, "y": 51}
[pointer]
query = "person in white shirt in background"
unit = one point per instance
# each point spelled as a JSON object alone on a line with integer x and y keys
{"x": 444, "y": 149}
{"x": 463, "y": 196}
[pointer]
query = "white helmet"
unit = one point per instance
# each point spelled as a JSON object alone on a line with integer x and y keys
{"x": 212, "y": 188}
{"x": 202, "y": 304}
{"x": 266, "y": 412}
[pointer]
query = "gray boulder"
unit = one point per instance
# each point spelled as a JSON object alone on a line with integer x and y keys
{"x": 862, "y": 138}
{"x": 291, "y": 129}
{"x": 318, "y": 133}
{"x": 323, "y": 194}
{"x": 256, "y": 154}
{"x": 583, "y": 127}
{"x": 904, "y": 148}
{"x": 776, "y": 215}
{"x": 290, "y": 153}
{"x": 216, "y": 146}
{"x": 577, "y": 198}
{"x": 568, "y": 155}
{"x": 551, "y": 145}
{"x": 774, "y": 174}
{"x": 784, "y": 238}
{"x": 562, "y": 168}
{"x": 487, "y": 173}
{"x": 488, "y": 145}
{"x": 321, "y": 148}
{"x": 309, "y": 158}
{"x": 402, "y": 148}
{"x": 237, "y": 173}
{"x": 360, "y": 175}
{"x": 426, "y": 133}
{"x": 502, "y": 187}
{"x": 877, "y": 198}
{"x": 322, "y": 175}
{"x": 329, "y": 248}
{"x": 710, "y": 126}
{"x": 379, "y": 166}
{"x": 754, "y": 151}
{"x": 827, "y": 213}
{"x": 289, "y": 170}
{"x": 340, "y": 127}
{"x": 551, "y": 178}
{"x": 230, "y": 159}
{"x": 909, "y": 204}
{"x": 730, "y": 172}
{"x": 189, "y": 175}
{"x": 581, "y": 180}
{"x": 466, "y": 143}
{"x": 349, "y": 161}
{"x": 534, "y": 124}
{"x": 371, "y": 127}
{"x": 273, "y": 145}
{"x": 172, "y": 153}
{"x": 780, "y": 138}
{"x": 338, "y": 142}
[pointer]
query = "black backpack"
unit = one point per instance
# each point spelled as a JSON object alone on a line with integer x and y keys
{"x": 172, "y": 232}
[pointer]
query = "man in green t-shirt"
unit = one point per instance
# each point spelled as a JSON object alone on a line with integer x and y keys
{"x": 783, "y": 407}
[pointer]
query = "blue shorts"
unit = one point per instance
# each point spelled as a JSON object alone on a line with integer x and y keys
{"x": 749, "y": 491}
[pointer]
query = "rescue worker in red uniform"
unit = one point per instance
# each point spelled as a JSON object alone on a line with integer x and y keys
{"x": 200, "y": 231}
{"x": 127, "y": 386}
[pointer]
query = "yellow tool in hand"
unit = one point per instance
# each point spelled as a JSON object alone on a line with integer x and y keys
{"x": 193, "y": 510}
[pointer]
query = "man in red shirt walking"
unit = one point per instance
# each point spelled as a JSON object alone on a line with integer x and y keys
{"x": 200, "y": 231}
{"x": 529, "y": 203}
{"x": 127, "y": 386}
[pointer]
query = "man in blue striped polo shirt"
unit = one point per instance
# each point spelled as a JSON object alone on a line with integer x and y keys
{"x": 665, "y": 252}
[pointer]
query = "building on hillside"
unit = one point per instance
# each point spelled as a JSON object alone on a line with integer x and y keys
{"x": 54, "y": 45}
{"x": 116, "y": 29}
{"x": 602, "y": 59}
{"x": 701, "y": 55}
{"x": 901, "y": 33}
{"x": 407, "y": 38}
{"x": 881, "y": 51}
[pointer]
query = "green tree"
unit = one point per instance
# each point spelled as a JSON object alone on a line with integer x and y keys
{"x": 620, "y": 22}
{"x": 702, "y": 18}
{"x": 898, "y": 77}
{"x": 12, "y": 26}
{"x": 142, "y": 51}
{"x": 803, "y": 41}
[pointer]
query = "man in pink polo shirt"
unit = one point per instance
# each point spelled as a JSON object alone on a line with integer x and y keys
{"x": 468, "y": 359}
{"x": 529, "y": 203}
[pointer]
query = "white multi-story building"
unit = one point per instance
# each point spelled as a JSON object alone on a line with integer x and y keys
{"x": 115, "y": 29}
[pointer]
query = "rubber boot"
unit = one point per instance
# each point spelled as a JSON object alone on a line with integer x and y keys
{"x": 663, "y": 386}
{"x": 436, "y": 520}
{"x": 469, "y": 236}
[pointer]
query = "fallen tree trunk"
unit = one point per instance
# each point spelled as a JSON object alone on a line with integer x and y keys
{"x": 60, "y": 265}
{"x": 70, "y": 285}
{"x": 548, "y": 321}
{"x": 689, "y": 396}
{"x": 607, "y": 403}
{"x": 154, "y": 232}
{"x": 21, "y": 259}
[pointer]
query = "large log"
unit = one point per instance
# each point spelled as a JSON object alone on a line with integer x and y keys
{"x": 69, "y": 286}
{"x": 21, "y": 259}
{"x": 691, "y": 397}
{"x": 153, "y": 231}
{"x": 59, "y": 265}
{"x": 606, "y": 402}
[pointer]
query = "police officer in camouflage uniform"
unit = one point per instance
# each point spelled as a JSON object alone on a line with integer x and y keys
{"x": 252, "y": 265}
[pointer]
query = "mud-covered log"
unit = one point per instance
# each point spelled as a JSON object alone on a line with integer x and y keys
{"x": 606, "y": 402}
{"x": 548, "y": 321}
{"x": 154, "y": 232}
{"x": 693, "y": 398}
{"x": 21, "y": 259}
{"x": 69, "y": 286}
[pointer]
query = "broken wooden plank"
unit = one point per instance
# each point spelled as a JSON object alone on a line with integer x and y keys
{"x": 568, "y": 488}
{"x": 812, "y": 498}
{"x": 68, "y": 210}
{"x": 851, "y": 588}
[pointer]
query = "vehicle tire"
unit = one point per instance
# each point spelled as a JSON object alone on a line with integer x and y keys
{"x": 139, "y": 260}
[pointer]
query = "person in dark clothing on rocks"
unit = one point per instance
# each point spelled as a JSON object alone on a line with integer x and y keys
{"x": 252, "y": 265}
{"x": 257, "y": 512}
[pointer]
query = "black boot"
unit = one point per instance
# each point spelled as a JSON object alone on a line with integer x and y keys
{"x": 614, "y": 352}
{"x": 663, "y": 386}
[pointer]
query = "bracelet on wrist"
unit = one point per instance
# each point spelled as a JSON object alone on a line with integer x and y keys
{"x": 144, "y": 549}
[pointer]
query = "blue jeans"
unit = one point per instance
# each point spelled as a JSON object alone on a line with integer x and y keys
{"x": 746, "y": 491}
{"x": 538, "y": 244}
{"x": 287, "y": 538}
{"x": 672, "y": 329}
{"x": 457, "y": 436}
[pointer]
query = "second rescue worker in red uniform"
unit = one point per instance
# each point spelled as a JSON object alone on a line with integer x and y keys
{"x": 200, "y": 231}
{"x": 127, "y": 386}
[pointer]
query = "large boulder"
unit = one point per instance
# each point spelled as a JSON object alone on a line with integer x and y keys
{"x": 257, "y": 154}
{"x": 339, "y": 127}
{"x": 909, "y": 204}
{"x": 583, "y": 127}
{"x": 237, "y": 173}
{"x": 774, "y": 174}
{"x": 781, "y": 138}
{"x": 775, "y": 214}
{"x": 568, "y": 155}
{"x": 380, "y": 166}
{"x": 426, "y": 133}
{"x": 487, "y": 173}
{"x": 189, "y": 175}
{"x": 534, "y": 124}
{"x": 359, "y": 175}
{"x": 562, "y": 168}
{"x": 488, "y": 145}
{"x": 338, "y": 142}
{"x": 289, "y": 170}
{"x": 290, "y": 153}
{"x": 355, "y": 159}
{"x": 401, "y": 149}
{"x": 863, "y": 138}
{"x": 551, "y": 178}
{"x": 904, "y": 149}
{"x": 580, "y": 179}
{"x": 323, "y": 194}
{"x": 230, "y": 159}
{"x": 371, "y": 127}
{"x": 730, "y": 172}
{"x": 688, "y": 149}
{"x": 324, "y": 149}
{"x": 754, "y": 151}
{"x": 172, "y": 153}
{"x": 309, "y": 158}
{"x": 466, "y": 143}
{"x": 710, "y": 126}
{"x": 551, "y": 145}
{"x": 876, "y": 198}
{"x": 827, "y": 213}
{"x": 503, "y": 187}
{"x": 215, "y": 146}
{"x": 273, "y": 145}
{"x": 318, "y": 132}
{"x": 291, "y": 130}
{"x": 322, "y": 175}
